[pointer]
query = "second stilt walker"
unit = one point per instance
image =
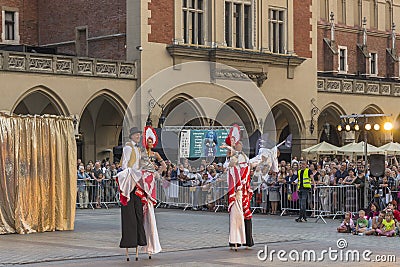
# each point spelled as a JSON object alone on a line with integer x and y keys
{"x": 152, "y": 165}
{"x": 247, "y": 193}
{"x": 237, "y": 234}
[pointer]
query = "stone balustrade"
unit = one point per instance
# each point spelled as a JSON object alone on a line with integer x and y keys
{"x": 358, "y": 86}
{"x": 67, "y": 65}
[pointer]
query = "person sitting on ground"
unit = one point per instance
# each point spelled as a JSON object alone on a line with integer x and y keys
{"x": 373, "y": 210}
{"x": 392, "y": 207}
{"x": 361, "y": 224}
{"x": 347, "y": 225}
{"x": 376, "y": 223}
{"x": 388, "y": 226}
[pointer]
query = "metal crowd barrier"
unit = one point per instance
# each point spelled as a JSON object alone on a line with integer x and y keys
{"x": 324, "y": 201}
{"x": 170, "y": 193}
{"x": 92, "y": 194}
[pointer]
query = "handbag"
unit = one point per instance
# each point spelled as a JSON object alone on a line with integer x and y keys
{"x": 295, "y": 196}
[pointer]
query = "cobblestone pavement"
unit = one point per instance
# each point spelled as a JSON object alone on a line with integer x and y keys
{"x": 188, "y": 238}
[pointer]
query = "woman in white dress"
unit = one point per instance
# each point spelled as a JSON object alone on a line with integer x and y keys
{"x": 150, "y": 172}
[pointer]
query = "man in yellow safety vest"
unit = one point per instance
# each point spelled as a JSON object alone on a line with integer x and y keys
{"x": 304, "y": 179}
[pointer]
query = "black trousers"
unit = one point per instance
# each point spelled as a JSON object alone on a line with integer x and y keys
{"x": 133, "y": 234}
{"x": 248, "y": 226}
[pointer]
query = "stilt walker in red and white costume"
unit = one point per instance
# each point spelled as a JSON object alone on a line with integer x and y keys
{"x": 237, "y": 234}
{"x": 147, "y": 188}
{"x": 247, "y": 193}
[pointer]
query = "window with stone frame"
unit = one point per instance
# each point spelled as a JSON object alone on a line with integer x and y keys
{"x": 10, "y": 27}
{"x": 277, "y": 30}
{"x": 373, "y": 64}
{"x": 193, "y": 21}
{"x": 342, "y": 60}
{"x": 238, "y": 24}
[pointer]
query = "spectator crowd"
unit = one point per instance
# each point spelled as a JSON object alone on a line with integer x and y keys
{"x": 273, "y": 192}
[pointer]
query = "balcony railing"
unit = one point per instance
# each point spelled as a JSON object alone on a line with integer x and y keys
{"x": 67, "y": 65}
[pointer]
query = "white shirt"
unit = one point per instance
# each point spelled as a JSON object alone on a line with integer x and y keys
{"x": 126, "y": 154}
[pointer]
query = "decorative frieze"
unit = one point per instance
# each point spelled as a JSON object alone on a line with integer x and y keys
{"x": 333, "y": 86}
{"x": 320, "y": 85}
{"x": 229, "y": 74}
{"x": 373, "y": 89}
{"x": 360, "y": 88}
{"x": 40, "y": 64}
{"x": 396, "y": 90}
{"x": 347, "y": 86}
{"x": 16, "y": 62}
{"x": 28, "y": 62}
{"x": 385, "y": 89}
{"x": 127, "y": 70}
{"x": 85, "y": 67}
{"x": 108, "y": 69}
{"x": 64, "y": 66}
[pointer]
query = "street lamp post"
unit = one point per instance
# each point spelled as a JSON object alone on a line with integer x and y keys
{"x": 367, "y": 127}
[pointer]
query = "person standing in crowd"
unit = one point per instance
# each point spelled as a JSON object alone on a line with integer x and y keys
{"x": 109, "y": 191}
{"x": 273, "y": 192}
{"x": 304, "y": 187}
{"x": 146, "y": 188}
{"x": 83, "y": 194}
{"x": 98, "y": 177}
{"x": 133, "y": 234}
{"x": 237, "y": 234}
{"x": 324, "y": 191}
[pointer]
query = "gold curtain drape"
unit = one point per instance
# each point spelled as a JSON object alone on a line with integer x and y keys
{"x": 37, "y": 174}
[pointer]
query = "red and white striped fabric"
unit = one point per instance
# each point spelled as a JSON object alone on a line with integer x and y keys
{"x": 234, "y": 183}
{"x": 246, "y": 190}
{"x": 146, "y": 190}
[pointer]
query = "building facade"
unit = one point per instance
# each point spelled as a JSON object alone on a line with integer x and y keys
{"x": 38, "y": 78}
{"x": 358, "y": 65}
{"x": 307, "y": 77}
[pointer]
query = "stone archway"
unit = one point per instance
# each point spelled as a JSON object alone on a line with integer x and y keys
{"x": 40, "y": 101}
{"x": 100, "y": 126}
{"x": 236, "y": 110}
{"x": 288, "y": 120}
{"x": 375, "y": 138}
{"x": 328, "y": 120}
{"x": 181, "y": 110}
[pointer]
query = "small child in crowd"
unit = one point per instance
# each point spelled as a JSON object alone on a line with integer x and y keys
{"x": 347, "y": 225}
{"x": 388, "y": 226}
{"x": 361, "y": 224}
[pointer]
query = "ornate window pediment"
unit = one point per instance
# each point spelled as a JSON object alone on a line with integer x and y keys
{"x": 242, "y": 60}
